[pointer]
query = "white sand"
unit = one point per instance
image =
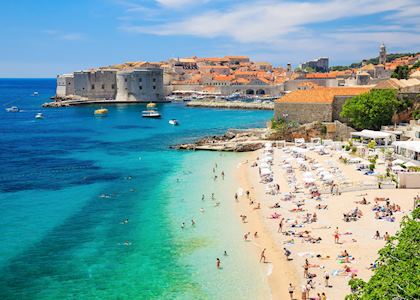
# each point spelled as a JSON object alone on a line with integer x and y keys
{"x": 359, "y": 244}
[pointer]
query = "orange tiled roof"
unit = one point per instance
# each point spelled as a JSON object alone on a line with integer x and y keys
{"x": 320, "y": 75}
{"x": 265, "y": 80}
{"x": 241, "y": 81}
{"x": 321, "y": 95}
{"x": 214, "y": 67}
{"x": 237, "y": 56}
{"x": 223, "y": 78}
{"x": 214, "y": 59}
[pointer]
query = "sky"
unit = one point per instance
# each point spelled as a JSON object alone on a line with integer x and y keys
{"x": 44, "y": 38}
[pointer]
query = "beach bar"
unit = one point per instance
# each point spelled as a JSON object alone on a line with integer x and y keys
{"x": 408, "y": 149}
{"x": 381, "y": 138}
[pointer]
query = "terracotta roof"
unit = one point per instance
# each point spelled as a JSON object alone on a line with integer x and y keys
{"x": 223, "y": 78}
{"x": 238, "y": 56}
{"x": 369, "y": 67}
{"x": 214, "y": 67}
{"x": 216, "y": 59}
{"x": 265, "y": 80}
{"x": 321, "y": 95}
{"x": 241, "y": 81}
{"x": 320, "y": 75}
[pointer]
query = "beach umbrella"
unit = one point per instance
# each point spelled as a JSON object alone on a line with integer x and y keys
{"x": 398, "y": 162}
{"x": 309, "y": 180}
{"x": 265, "y": 171}
{"x": 397, "y": 168}
{"x": 307, "y": 174}
{"x": 264, "y": 165}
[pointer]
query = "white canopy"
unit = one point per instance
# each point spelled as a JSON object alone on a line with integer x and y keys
{"x": 308, "y": 180}
{"x": 397, "y": 168}
{"x": 409, "y": 145}
{"x": 370, "y": 134}
{"x": 398, "y": 162}
{"x": 265, "y": 171}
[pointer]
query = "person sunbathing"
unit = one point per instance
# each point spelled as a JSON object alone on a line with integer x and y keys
{"x": 363, "y": 201}
{"x": 319, "y": 206}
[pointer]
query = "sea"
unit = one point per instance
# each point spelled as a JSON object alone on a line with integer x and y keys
{"x": 69, "y": 182}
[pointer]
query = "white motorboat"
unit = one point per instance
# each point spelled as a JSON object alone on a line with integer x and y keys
{"x": 174, "y": 122}
{"x": 150, "y": 114}
{"x": 35, "y": 94}
{"x": 13, "y": 109}
{"x": 39, "y": 116}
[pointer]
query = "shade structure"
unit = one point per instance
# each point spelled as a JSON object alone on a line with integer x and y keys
{"x": 309, "y": 180}
{"x": 398, "y": 162}
{"x": 265, "y": 171}
{"x": 397, "y": 168}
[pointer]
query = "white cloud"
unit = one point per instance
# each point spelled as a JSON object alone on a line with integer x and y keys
{"x": 265, "y": 21}
{"x": 180, "y": 3}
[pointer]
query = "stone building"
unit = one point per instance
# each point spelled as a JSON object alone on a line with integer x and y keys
{"x": 95, "y": 84}
{"x": 319, "y": 65}
{"x": 321, "y": 104}
{"x": 65, "y": 85}
{"x": 138, "y": 84}
{"x": 142, "y": 85}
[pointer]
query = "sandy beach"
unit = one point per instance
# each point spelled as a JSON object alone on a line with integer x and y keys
{"x": 313, "y": 239}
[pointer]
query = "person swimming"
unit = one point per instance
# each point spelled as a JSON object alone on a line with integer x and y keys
{"x": 202, "y": 210}
{"x": 192, "y": 222}
{"x": 225, "y": 253}
{"x": 182, "y": 225}
{"x": 218, "y": 263}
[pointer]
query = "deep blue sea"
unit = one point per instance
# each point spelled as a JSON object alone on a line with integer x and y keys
{"x": 68, "y": 182}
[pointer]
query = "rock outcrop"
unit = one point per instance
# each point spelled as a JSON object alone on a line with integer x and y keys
{"x": 233, "y": 140}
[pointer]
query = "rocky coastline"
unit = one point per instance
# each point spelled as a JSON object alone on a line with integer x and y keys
{"x": 234, "y": 140}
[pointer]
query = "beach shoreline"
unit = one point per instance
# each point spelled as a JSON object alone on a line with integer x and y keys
{"x": 280, "y": 273}
{"x": 355, "y": 237}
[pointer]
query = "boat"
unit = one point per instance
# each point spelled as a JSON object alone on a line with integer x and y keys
{"x": 35, "y": 94}
{"x": 151, "y": 105}
{"x": 150, "y": 114}
{"x": 39, "y": 116}
{"x": 101, "y": 111}
{"x": 174, "y": 122}
{"x": 13, "y": 109}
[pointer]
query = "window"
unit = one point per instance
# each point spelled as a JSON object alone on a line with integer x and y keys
{"x": 93, "y": 86}
{"x": 140, "y": 87}
{"x": 140, "y": 80}
{"x": 113, "y": 86}
{"x": 154, "y": 87}
{"x": 154, "y": 79}
{"x": 125, "y": 79}
{"x": 103, "y": 86}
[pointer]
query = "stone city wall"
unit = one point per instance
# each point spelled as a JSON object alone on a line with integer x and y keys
{"x": 304, "y": 112}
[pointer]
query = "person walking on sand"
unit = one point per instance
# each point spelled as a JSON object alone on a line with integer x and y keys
{"x": 236, "y": 197}
{"x": 326, "y": 278}
{"x": 262, "y": 257}
{"x": 281, "y": 225}
{"x": 218, "y": 263}
{"x": 246, "y": 236}
{"x": 323, "y": 296}
{"x": 336, "y": 236}
{"x": 223, "y": 175}
{"x": 255, "y": 234}
{"x": 291, "y": 290}
{"x": 303, "y": 291}
{"x": 247, "y": 194}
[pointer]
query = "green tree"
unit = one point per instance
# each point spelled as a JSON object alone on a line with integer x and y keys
{"x": 371, "y": 110}
{"x": 398, "y": 273}
{"x": 401, "y": 72}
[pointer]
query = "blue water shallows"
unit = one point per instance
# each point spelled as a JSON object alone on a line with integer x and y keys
{"x": 68, "y": 181}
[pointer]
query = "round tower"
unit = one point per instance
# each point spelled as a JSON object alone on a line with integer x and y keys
{"x": 382, "y": 54}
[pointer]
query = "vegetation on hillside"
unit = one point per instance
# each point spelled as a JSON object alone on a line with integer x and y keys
{"x": 371, "y": 110}
{"x": 375, "y": 61}
{"x": 397, "y": 275}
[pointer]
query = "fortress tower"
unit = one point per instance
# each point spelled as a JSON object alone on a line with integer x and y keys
{"x": 382, "y": 55}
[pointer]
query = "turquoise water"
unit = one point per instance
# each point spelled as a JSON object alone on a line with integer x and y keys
{"x": 60, "y": 240}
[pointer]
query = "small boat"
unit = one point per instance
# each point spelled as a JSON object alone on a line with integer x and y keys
{"x": 101, "y": 111}
{"x": 35, "y": 94}
{"x": 151, "y": 105}
{"x": 13, "y": 109}
{"x": 174, "y": 122}
{"x": 150, "y": 114}
{"x": 39, "y": 116}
